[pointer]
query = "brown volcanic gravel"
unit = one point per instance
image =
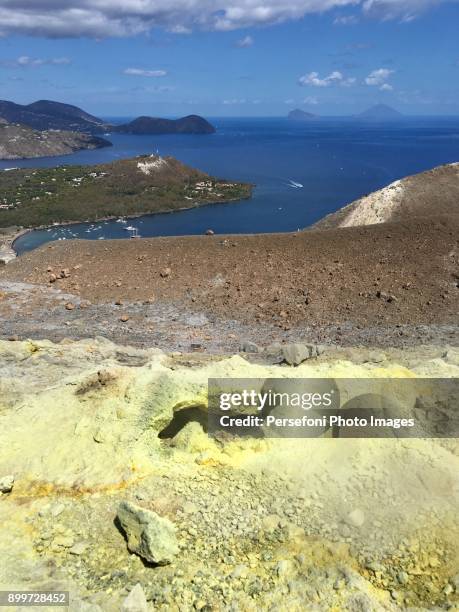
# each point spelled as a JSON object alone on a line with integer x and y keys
{"x": 404, "y": 273}
{"x": 397, "y": 273}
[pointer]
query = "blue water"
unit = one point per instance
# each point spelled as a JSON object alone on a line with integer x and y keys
{"x": 335, "y": 161}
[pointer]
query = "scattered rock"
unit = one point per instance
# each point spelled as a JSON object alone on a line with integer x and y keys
{"x": 165, "y": 272}
{"x": 6, "y": 484}
{"x": 135, "y": 601}
{"x": 295, "y": 354}
{"x": 70, "y": 306}
{"x": 63, "y": 541}
{"x": 189, "y": 508}
{"x": 78, "y": 549}
{"x": 382, "y": 295}
{"x": 57, "y": 509}
{"x": 452, "y": 356}
{"x": 448, "y": 590}
{"x": 376, "y": 357}
{"x": 284, "y": 567}
{"x": 402, "y": 577}
{"x": 250, "y": 347}
{"x": 356, "y": 518}
{"x": 270, "y": 523}
{"x": 149, "y": 535}
{"x": 240, "y": 571}
{"x": 65, "y": 273}
{"x": 124, "y": 318}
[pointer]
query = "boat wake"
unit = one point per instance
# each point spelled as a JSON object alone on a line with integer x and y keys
{"x": 295, "y": 185}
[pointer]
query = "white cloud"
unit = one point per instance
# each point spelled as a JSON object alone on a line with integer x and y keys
{"x": 311, "y": 100}
{"x": 245, "y": 42}
{"x": 379, "y": 78}
{"x": 179, "y": 29}
{"x": 335, "y": 78}
{"x": 25, "y": 61}
{"x": 145, "y": 73}
{"x": 406, "y": 10}
{"x": 101, "y": 18}
{"x": 345, "y": 20}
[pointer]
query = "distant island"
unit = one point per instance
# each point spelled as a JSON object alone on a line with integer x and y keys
{"x": 50, "y": 115}
{"x": 193, "y": 124}
{"x": 129, "y": 187}
{"x": 380, "y": 111}
{"x": 22, "y": 142}
{"x": 300, "y": 115}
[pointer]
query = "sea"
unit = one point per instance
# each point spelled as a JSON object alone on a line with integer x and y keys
{"x": 301, "y": 171}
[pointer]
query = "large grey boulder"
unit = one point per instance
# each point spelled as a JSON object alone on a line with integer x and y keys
{"x": 6, "y": 484}
{"x": 295, "y": 354}
{"x": 149, "y": 535}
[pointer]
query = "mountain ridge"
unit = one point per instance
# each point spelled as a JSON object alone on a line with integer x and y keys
{"x": 51, "y": 115}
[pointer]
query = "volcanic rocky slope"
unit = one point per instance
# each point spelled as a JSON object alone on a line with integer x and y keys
{"x": 433, "y": 194}
{"x": 106, "y": 465}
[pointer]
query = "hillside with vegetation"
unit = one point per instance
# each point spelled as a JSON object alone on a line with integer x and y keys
{"x": 146, "y": 184}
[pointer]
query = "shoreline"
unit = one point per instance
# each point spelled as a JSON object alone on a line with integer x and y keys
{"x": 7, "y": 240}
{"x": 11, "y": 239}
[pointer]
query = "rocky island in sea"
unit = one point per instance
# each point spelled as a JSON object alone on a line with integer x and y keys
{"x": 380, "y": 112}
{"x": 301, "y": 115}
{"x": 192, "y": 124}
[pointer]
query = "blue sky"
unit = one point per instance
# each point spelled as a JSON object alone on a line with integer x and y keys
{"x": 331, "y": 57}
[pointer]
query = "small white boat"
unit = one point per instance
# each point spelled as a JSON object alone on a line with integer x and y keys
{"x": 129, "y": 228}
